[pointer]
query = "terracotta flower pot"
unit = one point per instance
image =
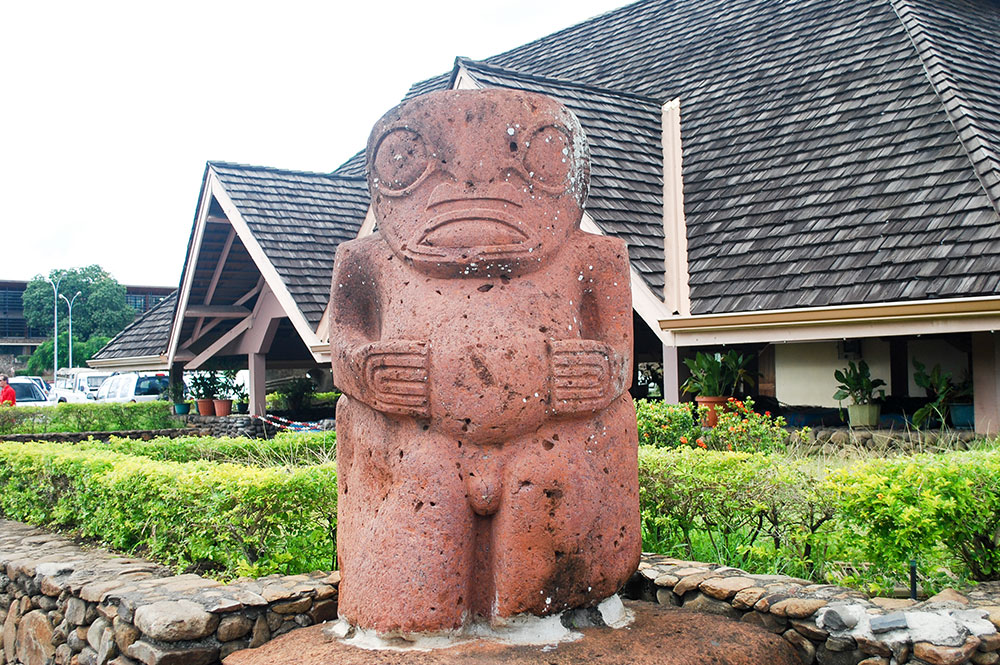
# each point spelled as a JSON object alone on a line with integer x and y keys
{"x": 223, "y": 407}
{"x": 714, "y": 404}
{"x": 205, "y": 407}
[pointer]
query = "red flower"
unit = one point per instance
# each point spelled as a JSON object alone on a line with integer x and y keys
{"x": 684, "y": 439}
{"x": 701, "y": 444}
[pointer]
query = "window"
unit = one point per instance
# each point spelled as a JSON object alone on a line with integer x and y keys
{"x": 138, "y": 303}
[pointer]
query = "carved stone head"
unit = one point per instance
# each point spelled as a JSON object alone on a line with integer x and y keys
{"x": 478, "y": 182}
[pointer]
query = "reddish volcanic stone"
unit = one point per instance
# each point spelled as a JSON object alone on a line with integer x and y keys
{"x": 659, "y": 635}
{"x": 486, "y": 444}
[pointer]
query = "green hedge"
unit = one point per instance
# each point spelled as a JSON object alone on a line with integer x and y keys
{"x": 766, "y": 512}
{"x": 915, "y": 507}
{"x": 105, "y": 417}
{"x": 211, "y": 517}
{"x": 285, "y": 449}
{"x": 771, "y": 512}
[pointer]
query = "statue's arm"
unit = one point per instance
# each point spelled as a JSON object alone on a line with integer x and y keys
{"x": 590, "y": 372}
{"x": 389, "y": 375}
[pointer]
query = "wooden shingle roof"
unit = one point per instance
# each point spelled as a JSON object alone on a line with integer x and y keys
{"x": 146, "y": 337}
{"x": 833, "y": 153}
{"x": 299, "y": 219}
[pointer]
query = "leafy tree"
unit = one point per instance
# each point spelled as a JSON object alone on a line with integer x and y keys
{"x": 41, "y": 360}
{"x": 100, "y": 309}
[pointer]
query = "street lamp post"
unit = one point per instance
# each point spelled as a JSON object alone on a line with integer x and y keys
{"x": 70, "y": 303}
{"x": 55, "y": 326}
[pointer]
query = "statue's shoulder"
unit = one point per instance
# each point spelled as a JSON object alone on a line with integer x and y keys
{"x": 366, "y": 246}
{"x": 599, "y": 246}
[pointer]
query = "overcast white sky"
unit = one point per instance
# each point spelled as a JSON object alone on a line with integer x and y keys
{"x": 109, "y": 110}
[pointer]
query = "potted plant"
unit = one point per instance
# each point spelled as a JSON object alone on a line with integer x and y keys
{"x": 938, "y": 387}
{"x": 963, "y": 414}
{"x": 204, "y": 386}
{"x": 225, "y": 385}
{"x": 856, "y": 383}
{"x": 176, "y": 393}
{"x": 298, "y": 393}
{"x": 715, "y": 378}
{"x": 236, "y": 391}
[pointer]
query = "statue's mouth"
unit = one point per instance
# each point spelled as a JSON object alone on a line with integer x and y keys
{"x": 492, "y": 231}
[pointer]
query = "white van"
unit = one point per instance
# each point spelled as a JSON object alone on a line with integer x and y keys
{"x": 77, "y": 384}
{"x": 133, "y": 387}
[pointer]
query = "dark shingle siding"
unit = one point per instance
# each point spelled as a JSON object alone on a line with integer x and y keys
{"x": 299, "y": 219}
{"x": 147, "y": 336}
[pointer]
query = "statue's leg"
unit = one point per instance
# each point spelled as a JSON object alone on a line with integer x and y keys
{"x": 404, "y": 533}
{"x": 567, "y": 532}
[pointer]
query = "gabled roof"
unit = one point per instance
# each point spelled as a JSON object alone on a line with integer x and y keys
{"x": 833, "y": 153}
{"x": 299, "y": 219}
{"x": 145, "y": 339}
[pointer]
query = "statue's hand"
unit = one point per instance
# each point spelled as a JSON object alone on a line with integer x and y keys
{"x": 581, "y": 376}
{"x": 396, "y": 374}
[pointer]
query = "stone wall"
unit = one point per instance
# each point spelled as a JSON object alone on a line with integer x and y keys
{"x": 832, "y": 440}
{"x": 234, "y": 425}
{"x": 832, "y": 625}
{"x": 66, "y": 605}
{"x": 76, "y": 437}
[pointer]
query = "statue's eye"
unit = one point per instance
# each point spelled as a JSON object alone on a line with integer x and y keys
{"x": 400, "y": 159}
{"x": 549, "y": 157}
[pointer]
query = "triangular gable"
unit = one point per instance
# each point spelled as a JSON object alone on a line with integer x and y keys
{"x": 287, "y": 224}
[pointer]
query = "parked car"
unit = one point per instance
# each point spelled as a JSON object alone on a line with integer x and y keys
{"x": 28, "y": 393}
{"x": 77, "y": 384}
{"x": 133, "y": 387}
{"x": 41, "y": 383}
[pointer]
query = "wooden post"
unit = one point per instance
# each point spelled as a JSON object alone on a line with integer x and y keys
{"x": 258, "y": 394}
{"x": 671, "y": 378}
{"x": 986, "y": 381}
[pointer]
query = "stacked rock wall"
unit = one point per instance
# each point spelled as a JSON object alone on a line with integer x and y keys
{"x": 65, "y": 605}
{"x": 69, "y": 606}
{"x": 832, "y": 625}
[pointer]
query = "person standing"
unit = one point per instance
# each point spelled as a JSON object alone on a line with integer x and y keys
{"x": 7, "y": 395}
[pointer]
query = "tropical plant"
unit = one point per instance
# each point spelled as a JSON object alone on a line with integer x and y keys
{"x": 718, "y": 374}
{"x": 176, "y": 392}
{"x": 298, "y": 392}
{"x": 205, "y": 385}
{"x": 857, "y": 383}
{"x": 939, "y": 389}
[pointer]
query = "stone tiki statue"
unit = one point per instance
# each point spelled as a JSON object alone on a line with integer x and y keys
{"x": 486, "y": 442}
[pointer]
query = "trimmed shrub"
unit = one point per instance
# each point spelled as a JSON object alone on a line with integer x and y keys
{"x": 285, "y": 449}
{"x": 743, "y": 509}
{"x": 105, "y": 417}
{"x": 927, "y": 506}
{"x": 214, "y": 518}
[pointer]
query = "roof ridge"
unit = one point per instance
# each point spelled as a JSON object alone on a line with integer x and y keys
{"x": 936, "y": 70}
{"x": 491, "y": 68}
{"x": 273, "y": 169}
